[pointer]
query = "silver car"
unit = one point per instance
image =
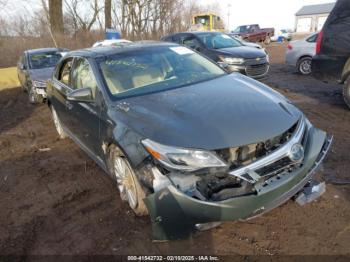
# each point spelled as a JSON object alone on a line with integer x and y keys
{"x": 300, "y": 52}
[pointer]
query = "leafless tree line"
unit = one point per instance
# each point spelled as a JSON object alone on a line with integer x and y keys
{"x": 135, "y": 19}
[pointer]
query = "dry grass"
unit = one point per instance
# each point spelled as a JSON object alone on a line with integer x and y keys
{"x": 8, "y": 78}
{"x": 11, "y": 48}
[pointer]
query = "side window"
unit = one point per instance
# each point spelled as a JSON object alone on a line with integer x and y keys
{"x": 64, "y": 73}
{"x": 312, "y": 39}
{"x": 191, "y": 42}
{"x": 176, "y": 39}
{"x": 83, "y": 76}
{"x": 24, "y": 61}
{"x": 168, "y": 39}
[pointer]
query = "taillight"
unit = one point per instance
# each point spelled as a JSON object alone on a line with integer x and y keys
{"x": 289, "y": 47}
{"x": 319, "y": 42}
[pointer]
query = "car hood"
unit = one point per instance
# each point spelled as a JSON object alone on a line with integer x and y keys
{"x": 228, "y": 111}
{"x": 42, "y": 74}
{"x": 252, "y": 45}
{"x": 247, "y": 52}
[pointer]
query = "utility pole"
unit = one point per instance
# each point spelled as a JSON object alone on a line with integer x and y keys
{"x": 228, "y": 16}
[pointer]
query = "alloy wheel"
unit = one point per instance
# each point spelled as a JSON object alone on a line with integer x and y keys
{"x": 305, "y": 66}
{"x": 57, "y": 123}
{"x": 125, "y": 181}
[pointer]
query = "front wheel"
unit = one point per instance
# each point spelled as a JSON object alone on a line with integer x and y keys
{"x": 128, "y": 184}
{"x": 304, "y": 66}
{"x": 57, "y": 123}
{"x": 346, "y": 92}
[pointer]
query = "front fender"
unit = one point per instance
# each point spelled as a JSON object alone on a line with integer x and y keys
{"x": 130, "y": 143}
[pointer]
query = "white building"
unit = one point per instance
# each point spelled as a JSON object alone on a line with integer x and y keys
{"x": 310, "y": 18}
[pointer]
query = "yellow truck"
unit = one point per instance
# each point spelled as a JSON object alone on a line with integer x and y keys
{"x": 207, "y": 22}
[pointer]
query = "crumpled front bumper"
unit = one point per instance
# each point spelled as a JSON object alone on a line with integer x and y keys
{"x": 174, "y": 214}
{"x": 41, "y": 91}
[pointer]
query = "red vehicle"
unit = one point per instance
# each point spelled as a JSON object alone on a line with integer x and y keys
{"x": 253, "y": 33}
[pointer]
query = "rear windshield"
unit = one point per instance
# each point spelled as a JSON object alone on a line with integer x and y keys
{"x": 218, "y": 40}
{"x": 155, "y": 69}
{"x": 44, "y": 60}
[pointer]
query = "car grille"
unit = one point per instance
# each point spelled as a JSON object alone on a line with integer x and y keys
{"x": 276, "y": 167}
{"x": 255, "y": 61}
{"x": 247, "y": 162}
{"x": 244, "y": 155}
{"x": 257, "y": 70}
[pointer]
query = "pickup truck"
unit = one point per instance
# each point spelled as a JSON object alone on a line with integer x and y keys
{"x": 253, "y": 33}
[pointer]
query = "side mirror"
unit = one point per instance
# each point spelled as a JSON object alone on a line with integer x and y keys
{"x": 81, "y": 95}
{"x": 197, "y": 48}
{"x": 223, "y": 65}
{"x": 22, "y": 66}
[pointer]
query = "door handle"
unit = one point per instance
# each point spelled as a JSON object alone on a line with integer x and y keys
{"x": 69, "y": 105}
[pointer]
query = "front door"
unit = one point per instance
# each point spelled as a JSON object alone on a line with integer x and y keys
{"x": 60, "y": 88}
{"x": 85, "y": 116}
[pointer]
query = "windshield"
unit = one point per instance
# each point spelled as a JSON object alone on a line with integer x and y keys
{"x": 44, "y": 60}
{"x": 218, "y": 40}
{"x": 155, "y": 69}
{"x": 242, "y": 29}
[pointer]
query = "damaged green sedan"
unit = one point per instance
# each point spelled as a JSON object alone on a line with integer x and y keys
{"x": 185, "y": 142}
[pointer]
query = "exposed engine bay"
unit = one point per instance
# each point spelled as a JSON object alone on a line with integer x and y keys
{"x": 217, "y": 184}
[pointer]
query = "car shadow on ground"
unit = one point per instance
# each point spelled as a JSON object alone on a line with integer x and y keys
{"x": 14, "y": 108}
{"x": 286, "y": 79}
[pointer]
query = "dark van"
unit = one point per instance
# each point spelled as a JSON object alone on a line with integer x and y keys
{"x": 332, "y": 60}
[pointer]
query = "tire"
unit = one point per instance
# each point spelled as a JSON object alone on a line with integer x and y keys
{"x": 267, "y": 40}
{"x": 304, "y": 65}
{"x": 24, "y": 90}
{"x": 346, "y": 92}
{"x": 57, "y": 122}
{"x": 128, "y": 184}
{"x": 33, "y": 97}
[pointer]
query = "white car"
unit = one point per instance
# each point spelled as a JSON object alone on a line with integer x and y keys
{"x": 286, "y": 34}
{"x": 300, "y": 52}
{"x": 112, "y": 42}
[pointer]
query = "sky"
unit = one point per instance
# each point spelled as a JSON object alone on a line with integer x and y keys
{"x": 279, "y": 14}
{"x": 268, "y": 13}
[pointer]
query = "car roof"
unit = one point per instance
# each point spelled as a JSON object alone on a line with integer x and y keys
{"x": 194, "y": 33}
{"x": 43, "y": 50}
{"x": 102, "y": 51}
{"x": 205, "y": 32}
{"x": 111, "y": 41}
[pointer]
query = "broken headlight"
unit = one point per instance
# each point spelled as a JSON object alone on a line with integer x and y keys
{"x": 181, "y": 158}
{"x": 39, "y": 84}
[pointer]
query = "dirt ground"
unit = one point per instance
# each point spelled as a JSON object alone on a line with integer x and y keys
{"x": 55, "y": 200}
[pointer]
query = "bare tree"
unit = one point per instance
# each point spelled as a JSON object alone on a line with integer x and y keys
{"x": 56, "y": 16}
{"x": 80, "y": 21}
{"x": 108, "y": 14}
